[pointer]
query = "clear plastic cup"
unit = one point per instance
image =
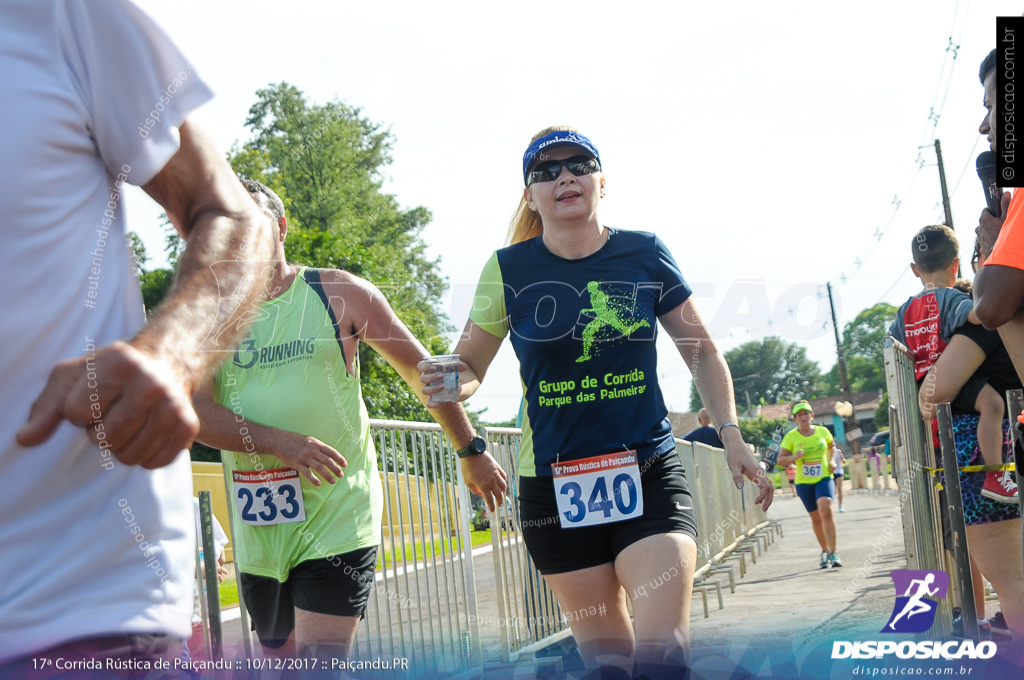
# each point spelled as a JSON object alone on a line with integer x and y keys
{"x": 448, "y": 365}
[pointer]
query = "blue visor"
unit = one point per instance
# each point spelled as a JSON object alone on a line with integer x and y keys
{"x": 533, "y": 153}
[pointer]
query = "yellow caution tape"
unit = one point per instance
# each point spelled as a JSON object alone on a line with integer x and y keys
{"x": 971, "y": 468}
{"x": 977, "y": 468}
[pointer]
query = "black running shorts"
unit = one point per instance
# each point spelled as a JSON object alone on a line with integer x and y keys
{"x": 338, "y": 586}
{"x": 668, "y": 508}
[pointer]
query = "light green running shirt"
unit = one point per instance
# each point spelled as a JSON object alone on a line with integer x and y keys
{"x": 289, "y": 373}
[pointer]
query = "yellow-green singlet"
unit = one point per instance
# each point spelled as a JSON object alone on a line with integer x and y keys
{"x": 816, "y": 448}
{"x": 289, "y": 373}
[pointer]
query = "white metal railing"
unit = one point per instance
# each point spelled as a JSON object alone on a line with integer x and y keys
{"x": 424, "y": 603}
{"x": 912, "y": 453}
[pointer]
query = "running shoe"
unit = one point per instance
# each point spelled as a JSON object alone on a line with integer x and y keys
{"x": 841, "y": 510}
{"x": 999, "y": 627}
{"x": 825, "y": 561}
{"x": 834, "y": 559}
{"x": 1000, "y": 486}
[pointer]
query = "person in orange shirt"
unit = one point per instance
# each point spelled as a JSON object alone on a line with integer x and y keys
{"x": 999, "y": 286}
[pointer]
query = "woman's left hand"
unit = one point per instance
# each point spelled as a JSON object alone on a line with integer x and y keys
{"x": 743, "y": 464}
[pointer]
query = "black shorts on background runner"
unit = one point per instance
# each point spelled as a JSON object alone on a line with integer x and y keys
{"x": 337, "y": 586}
{"x": 668, "y": 508}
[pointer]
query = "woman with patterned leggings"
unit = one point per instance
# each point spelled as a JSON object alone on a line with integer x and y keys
{"x": 993, "y": 528}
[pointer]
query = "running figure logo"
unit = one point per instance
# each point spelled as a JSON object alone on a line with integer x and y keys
{"x": 605, "y": 316}
{"x": 912, "y": 613}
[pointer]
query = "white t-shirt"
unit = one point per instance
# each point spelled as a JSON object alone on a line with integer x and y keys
{"x": 220, "y": 539}
{"x": 89, "y": 547}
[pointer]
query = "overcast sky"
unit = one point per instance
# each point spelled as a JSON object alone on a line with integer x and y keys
{"x": 765, "y": 143}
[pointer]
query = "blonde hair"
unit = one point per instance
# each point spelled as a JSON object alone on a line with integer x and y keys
{"x": 526, "y": 223}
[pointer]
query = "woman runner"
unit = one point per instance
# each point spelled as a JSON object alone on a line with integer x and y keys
{"x": 603, "y": 497}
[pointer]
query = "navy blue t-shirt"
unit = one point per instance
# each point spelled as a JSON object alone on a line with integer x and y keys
{"x": 584, "y": 331}
{"x": 705, "y": 435}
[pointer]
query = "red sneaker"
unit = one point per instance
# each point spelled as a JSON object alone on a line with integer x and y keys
{"x": 1000, "y": 486}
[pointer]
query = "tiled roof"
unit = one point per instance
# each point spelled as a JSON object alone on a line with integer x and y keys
{"x": 862, "y": 401}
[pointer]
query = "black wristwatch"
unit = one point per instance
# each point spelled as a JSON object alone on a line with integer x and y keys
{"x": 475, "y": 447}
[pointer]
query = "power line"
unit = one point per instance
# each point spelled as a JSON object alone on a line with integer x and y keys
{"x": 903, "y": 274}
{"x": 949, "y": 57}
{"x": 967, "y": 164}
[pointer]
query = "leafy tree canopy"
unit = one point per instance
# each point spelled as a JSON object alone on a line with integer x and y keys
{"x": 862, "y": 347}
{"x": 326, "y": 162}
{"x": 760, "y": 431}
{"x": 138, "y": 252}
{"x": 769, "y": 371}
{"x": 882, "y": 413}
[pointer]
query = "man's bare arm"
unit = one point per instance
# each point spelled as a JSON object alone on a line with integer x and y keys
{"x": 143, "y": 387}
{"x": 227, "y": 261}
{"x": 378, "y": 325}
{"x": 998, "y": 290}
{"x": 221, "y": 428}
{"x": 1012, "y": 335}
{"x": 998, "y": 294}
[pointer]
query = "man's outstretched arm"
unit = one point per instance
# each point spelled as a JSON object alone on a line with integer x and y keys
{"x": 143, "y": 387}
{"x": 378, "y": 325}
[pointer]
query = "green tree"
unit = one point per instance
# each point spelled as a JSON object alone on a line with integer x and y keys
{"x": 327, "y": 162}
{"x": 155, "y": 285}
{"x": 759, "y": 431}
{"x": 138, "y": 252}
{"x": 862, "y": 347}
{"x": 882, "y": 413}
{"x": 511, "y": 422}
{"x": 769, "y": 371}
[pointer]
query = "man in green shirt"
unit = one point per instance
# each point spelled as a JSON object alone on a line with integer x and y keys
{"x": 288, "y": 414}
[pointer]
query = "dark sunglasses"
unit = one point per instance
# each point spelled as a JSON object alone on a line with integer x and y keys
{"x": 550, "y": 170}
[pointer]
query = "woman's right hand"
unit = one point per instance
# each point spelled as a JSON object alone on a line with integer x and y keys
{"x": 433, "y": 379}
{"x": 800, "y": 453}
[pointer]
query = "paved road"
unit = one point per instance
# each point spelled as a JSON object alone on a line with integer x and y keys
{"x": 785, "y": 599}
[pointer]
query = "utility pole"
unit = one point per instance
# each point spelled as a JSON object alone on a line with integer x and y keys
{"x": 942, "y": 181}
{"x": 851, "y": 421}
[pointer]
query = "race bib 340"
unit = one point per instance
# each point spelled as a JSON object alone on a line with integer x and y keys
{"x": 598, "y": 490}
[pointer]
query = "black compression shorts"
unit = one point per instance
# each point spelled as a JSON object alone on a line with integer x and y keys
{"x": 338, "y": 585}
{"x": 668, "y": 508}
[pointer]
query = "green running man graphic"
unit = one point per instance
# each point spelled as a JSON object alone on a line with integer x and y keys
{"x": 604, "y": 315}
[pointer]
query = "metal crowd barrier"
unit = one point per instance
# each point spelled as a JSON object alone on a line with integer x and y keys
{"x": 912, "y": 452}
{"x": 424, "y": 605}
{"x": 729, "y": 525}
{"x": 528, "y": 616}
